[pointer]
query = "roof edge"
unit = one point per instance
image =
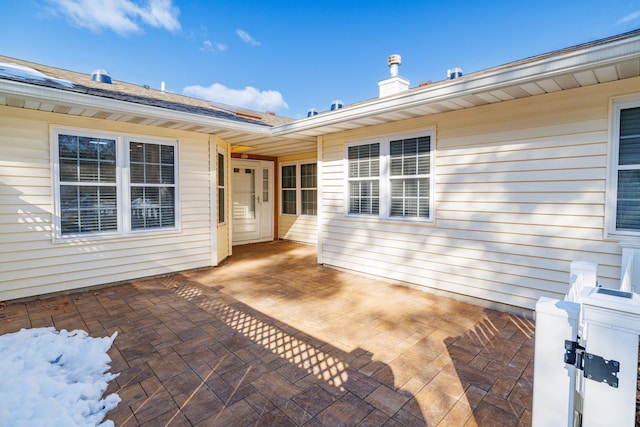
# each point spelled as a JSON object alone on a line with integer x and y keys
{"x": 583, "y": 56}
{"x": 45, "y": 93}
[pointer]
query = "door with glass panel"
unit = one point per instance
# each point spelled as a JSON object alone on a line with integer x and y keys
{"x": 252, "y": 201}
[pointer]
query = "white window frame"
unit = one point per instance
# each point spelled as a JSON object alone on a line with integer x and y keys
{"x": 385, "y": 176}
{"x": 222, "y": 187}
{"x": 298, "y": 188}
{"x": 123, "y": 183}
{"x": 617, "y": 105}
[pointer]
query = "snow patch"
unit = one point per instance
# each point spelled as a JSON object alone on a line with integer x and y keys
{"x": 8, "y": 69}
{"x": 51, "y": 378}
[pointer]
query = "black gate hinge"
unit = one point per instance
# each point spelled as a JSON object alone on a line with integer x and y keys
{"x": 594, "y": 367}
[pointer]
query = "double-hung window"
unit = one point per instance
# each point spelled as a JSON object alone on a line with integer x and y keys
{"x": 298, "y": 185}
{"x": 113, "y": 184}
{"x": 152, "y": 185}
{"x": 625, "y": 168}
{"x": 392, "y": 177}
{"x": 409, "y": 177}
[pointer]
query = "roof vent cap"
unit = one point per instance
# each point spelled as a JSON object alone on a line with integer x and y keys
{"x": 101, "y": 76}
{"x": 312, "y": 112}
{"x": 454, "y": 74}
{"x": 336, "y": 105}
{"x": 394, "y": 61}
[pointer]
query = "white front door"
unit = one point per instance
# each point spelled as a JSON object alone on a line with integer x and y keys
{"x": 252, "y": 201}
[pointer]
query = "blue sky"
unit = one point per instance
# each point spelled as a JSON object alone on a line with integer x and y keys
{"x": 289, "y": 56}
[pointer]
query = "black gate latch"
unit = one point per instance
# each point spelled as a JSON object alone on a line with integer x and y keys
{"x": 594, "y": 367}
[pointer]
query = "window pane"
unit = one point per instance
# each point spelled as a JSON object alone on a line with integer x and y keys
{"x": 289, "y": 176}
{"x": 68, "y": 146}
{"x": 152, "y": 207}
{"x": 364, "y": 161}
{"x": 69, "y": 170}
{"x": 136, "y": 152}
{"x": 265, "y": 185}
{"x": 152, "y": 153}
{"x": 88, "y": 148}
{"x": 167, "y": 174}
{"x": 88, "y": 209}
{"x": 146, "y": 166}
{"x": 629, "y": 153}
{"x": 364, "y": 197}
{"x": 221, "y": 204}
{"x": 289, "y": 202}
{"x": 410, "y": 198}
{"x": 630, "y": 122}
{"x": 83, "y": 159}
{"x": 136, "y": 172}
{"x": 89, "y": 171}
{"x": 309, "y": 202}
{"x": 308, "y": 175}
{"x": 410, "y": 156}
{"x": 628, "y": 208}
{"x": 167, "y": 154}
{"x": 152, "y": 174}
{"x": 221, "y": 170}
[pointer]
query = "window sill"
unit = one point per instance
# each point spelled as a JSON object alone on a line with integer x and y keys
{"x": 374, "y": 218}
{"x": 132, "y": 235}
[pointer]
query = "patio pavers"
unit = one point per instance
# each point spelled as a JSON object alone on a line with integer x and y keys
{"x": 272, "y": 338}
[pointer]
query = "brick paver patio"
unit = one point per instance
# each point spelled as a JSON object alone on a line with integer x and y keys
{"x": 271, "y": 338}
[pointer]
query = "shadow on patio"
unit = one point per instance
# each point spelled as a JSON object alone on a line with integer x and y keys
{"x": 272, "y": 338}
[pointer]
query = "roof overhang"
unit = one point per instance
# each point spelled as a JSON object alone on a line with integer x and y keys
{"x": 593, "y": 63}
{"x": 49, "y": 99}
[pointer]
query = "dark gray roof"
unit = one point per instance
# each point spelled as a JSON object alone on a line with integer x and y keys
{"x": 137, "y": 94}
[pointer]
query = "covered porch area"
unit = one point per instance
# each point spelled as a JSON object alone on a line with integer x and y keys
{"x": 272, "y": 338}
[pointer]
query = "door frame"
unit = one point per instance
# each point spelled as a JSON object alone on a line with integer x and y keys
{"x": 269, "y": 207}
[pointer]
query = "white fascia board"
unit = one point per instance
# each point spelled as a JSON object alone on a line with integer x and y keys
{"x": 42, "y": 93}
{"x": 520, "y": 72}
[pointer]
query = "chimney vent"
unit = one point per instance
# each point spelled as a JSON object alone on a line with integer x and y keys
{"x": 336, "y": 105}
{"x": 394, "y": 61}
{"x": 454, "y": 74}
{"x": 101, "y": 76}
{"x": 394, "y": 84}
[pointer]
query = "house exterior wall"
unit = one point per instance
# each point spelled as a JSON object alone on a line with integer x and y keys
{"x": 520, "y": 191}
{"x": 299, "y": 228}
{"x": 32, "y": 263}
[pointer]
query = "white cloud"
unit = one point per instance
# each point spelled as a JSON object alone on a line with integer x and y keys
{"x": 212, "y": 47}
{"x": 246, "y": 37}
{"x": 630, "y": 17}
{"x": 249, "y": 97}
{"x": 121, "y": 16}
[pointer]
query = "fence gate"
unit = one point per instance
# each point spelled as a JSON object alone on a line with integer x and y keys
{"x": 586, "y": 355}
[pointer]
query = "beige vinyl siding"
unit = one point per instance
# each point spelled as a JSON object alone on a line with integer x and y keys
{"x": 520, "y": 193}
{"x": 300, "y": 228}
{"x": 31, "y": 263}
{"x": 303, "y": 228}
